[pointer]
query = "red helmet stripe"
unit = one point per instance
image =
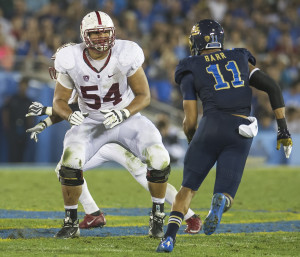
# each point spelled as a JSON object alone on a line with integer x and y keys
{"x": 99, "y": 18}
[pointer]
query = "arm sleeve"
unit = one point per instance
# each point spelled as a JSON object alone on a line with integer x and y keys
{"x": 262, "y": 81}
{"x": 187, "y": 87}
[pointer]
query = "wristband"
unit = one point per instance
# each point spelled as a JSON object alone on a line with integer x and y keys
{"x": 47, "y": 111}
{"x": 281, "y": 123}
{"x": 125, "y": 114}
{"x": 48, "y": 122}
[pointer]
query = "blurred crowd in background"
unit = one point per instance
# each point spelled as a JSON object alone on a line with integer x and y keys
{"x": 31, "y": 31}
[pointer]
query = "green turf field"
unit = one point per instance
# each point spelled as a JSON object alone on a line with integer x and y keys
{"x": 264, "y": 220}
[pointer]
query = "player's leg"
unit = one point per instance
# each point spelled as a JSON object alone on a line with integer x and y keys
{"x": 71, "y": 178}
{"x": 179, "y": 207}
{"x": 137, "y": 169}
{"x": 76, "y": 150}
{"x": 94, "y": 216}
{"x": 158, "y": 170}
{"x": 193, "y": 221}
{"x": 142, "y": 138}
{"x": 198, "y": 161}
{"x": 230, "y": 166}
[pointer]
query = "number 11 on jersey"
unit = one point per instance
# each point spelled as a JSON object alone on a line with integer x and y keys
{"x": 220, "y": 82}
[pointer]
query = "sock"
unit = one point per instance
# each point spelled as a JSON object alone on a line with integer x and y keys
{"x": 71, "y": 213}
{"x": 174, "y": 224}
{"x": 189, "y": 214}
{"x": 157, "y": 207}
{"x": 227, "y": 204}
{"x": 96, "y": 213}
{"x": 87, "y": 200}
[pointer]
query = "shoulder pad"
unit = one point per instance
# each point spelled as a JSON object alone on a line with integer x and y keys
{"x": 182, "y": 68}
{"x": 64, "y": 59}
{"x": 247, "y": 53}
{"x": 130, "y": 53}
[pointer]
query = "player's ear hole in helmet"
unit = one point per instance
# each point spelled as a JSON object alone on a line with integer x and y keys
{"x": 206, "y": 34}
{"x": 98, "y": 22}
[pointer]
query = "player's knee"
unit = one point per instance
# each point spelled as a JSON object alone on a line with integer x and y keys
{"x": 157, "y": 157}
{"x": 229, "y": 202}
{"x": 57, "y": 169}
{"x": 70, "y": 176}
{"x": 158, "y": 176}
{"x": 73, "y": 158}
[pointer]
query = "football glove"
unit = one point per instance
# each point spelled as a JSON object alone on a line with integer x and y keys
{"x": 284, "y": 138}
{"x": 76, "y": 118}
{"x": 38, "y": 128}
{"x": 37, "y": 109}
{"x": 114, "y": 117}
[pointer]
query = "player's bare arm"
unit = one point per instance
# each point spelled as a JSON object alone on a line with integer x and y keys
{"x": 190, "y": 120}
{"x": 60, "y": 101}
{"x": 140, "y": 87}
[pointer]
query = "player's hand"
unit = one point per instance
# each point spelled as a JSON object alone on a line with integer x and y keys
{"x": 284, "y": 138}
{"x": 114, "y": 117}
{"x": 38, "y": 109}
{"x": 38, "y": 128}
{"x": 76, "y": 118}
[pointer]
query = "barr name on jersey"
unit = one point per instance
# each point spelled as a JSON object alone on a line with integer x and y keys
{"x": 214, "y": 57}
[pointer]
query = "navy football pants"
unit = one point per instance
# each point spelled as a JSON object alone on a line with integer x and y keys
{"x": 217, "y": 141}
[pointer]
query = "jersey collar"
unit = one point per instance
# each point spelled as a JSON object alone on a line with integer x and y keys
{"x": 86, "y": 60}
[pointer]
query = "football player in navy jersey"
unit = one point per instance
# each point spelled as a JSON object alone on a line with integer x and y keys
{"x": 221, "y": 79}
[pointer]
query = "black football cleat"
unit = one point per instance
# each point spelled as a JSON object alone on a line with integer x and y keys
{"x": 156, "y": 224}
{"x": 70, "y": 229}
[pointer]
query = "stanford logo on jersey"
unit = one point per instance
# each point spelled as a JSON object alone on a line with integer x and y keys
{"x": 86, "y": 78}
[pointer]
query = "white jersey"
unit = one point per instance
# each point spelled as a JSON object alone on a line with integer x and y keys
{"x": 106, "y": 88}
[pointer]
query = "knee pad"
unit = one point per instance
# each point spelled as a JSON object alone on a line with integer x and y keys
{"x": 158, "y": 176}
{"x": 157, "y": 157}
{"x": 70, "y": 176}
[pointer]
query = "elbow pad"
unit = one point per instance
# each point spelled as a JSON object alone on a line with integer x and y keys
{"x": 262, "y": 81}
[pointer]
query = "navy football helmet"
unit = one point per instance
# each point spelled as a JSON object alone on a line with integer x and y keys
{"x": 206, "y": 34}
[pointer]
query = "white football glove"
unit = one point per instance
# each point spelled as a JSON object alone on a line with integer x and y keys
{"x": 76, "y": 118}
{"x": 37, "y": 109}
{"x": 114, "y": 117}
{"x": 38, "y": 128}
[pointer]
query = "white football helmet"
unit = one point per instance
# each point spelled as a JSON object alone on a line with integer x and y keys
{"x": 98, "y": 22}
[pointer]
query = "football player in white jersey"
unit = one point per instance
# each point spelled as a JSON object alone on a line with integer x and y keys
{"x": 112, "y": 88}
{"x": 109, "y": 152}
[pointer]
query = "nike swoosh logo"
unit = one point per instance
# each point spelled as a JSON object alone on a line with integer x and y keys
{"x": 72, "y": 233}
{"x": 110, "y": 75}
{"x": 89, "y": 223}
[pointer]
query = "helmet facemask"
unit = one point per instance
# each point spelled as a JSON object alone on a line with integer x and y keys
{"x": 102, "y": 43}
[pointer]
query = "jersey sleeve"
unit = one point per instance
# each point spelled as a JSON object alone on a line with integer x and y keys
{"x": 187, "y": 87}
{"x": 131, "y": 58}
{"x": 181, "y": 70}
{"x": 249, "y": 56}
{"x": 64, "y": 60}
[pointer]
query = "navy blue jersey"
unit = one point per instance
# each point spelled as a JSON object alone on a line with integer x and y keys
{"x": 220, "y": 80}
